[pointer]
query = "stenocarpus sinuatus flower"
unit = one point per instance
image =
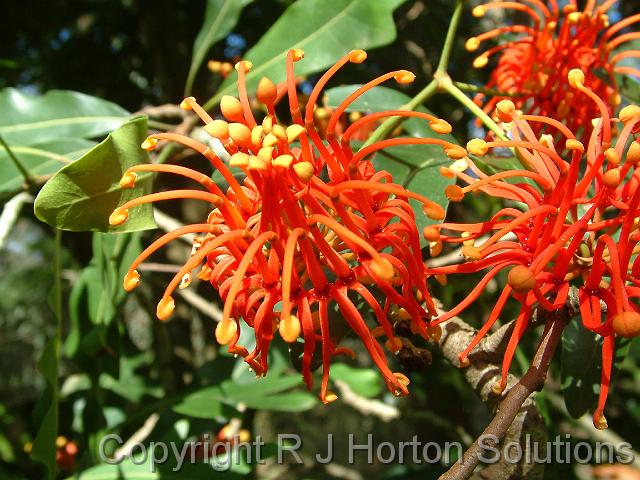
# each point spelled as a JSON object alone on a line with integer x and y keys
{"x": 311, "y": 226}
{"x": 533, "y": 65}
{"x": 572, "y": 222}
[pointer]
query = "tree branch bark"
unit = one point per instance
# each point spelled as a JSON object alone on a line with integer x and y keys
{"x": 516, "y": 415}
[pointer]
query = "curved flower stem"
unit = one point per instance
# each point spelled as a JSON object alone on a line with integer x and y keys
{"x": 467, "y": 87}
{"x": 441, "y": 82}
{"x": 447, "y": 48}
{"x": 459, "y": 95}
{"x": 384, "y": 130}
{"x": 389, "y": 125}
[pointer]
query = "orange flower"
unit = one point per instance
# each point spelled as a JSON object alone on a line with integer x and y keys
{"x": 533, "y": 66}
{"x": 312, "y": 226}
{"x": 574, "y": 199}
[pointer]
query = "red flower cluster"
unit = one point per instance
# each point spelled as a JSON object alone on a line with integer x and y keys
{"x": 313, "y": 225}
{"x": 532, "y": 67}
{"x": 574, "y": 222}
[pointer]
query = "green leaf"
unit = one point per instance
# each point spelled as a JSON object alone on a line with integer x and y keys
{"x": 83, "y": 194}
{"x": 416, "y": 167}
{"x": 324, "y": 29}
{"x": 44, "y": 444}
{"x": 628, "y": 85}
{"x": 39, "y": 159}
{"x": 417, "y": 171}
{"x": 496, "y": 163}
{"x": 269, "y": 393}
{"x": 146, "y": 470}
{"x": 629, "y": 89}
{"x": 220, "y": 17}
{"x": 383, "y": 98}
{"x": 29, "y": 120}
{"x": 580, "y": 368}
{"x": 296, "y": 401}
{"x": 95, "y": 303}
{"x": 365, "y": 382}
{"x": 46, "y": 413}
{"x": 202, "y": 404}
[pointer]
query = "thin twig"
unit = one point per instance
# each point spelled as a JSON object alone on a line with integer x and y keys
{"x": 10, "y": 213}
{"x": 168, "y": 110}
{"x": 18, "y": 164}
{"x": 205, "y": 306}
{"x": 159, "y": 267}
{"x": 366, "y": 406}
{"x": 168, "y": 224}
{"x": 138, "y": 437}
{"x": 467, "y": 87}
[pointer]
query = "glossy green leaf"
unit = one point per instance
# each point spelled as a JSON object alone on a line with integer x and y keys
{"x": 324, "y": 29}
{"x": 269, "y": 393}
{"x": 202, "y": 404}
{"x": 384, "y": 98}
{"x": 295, "y": 401}
{"x": 29, "y": 120}
{"x": 95, "y": 302}
{"x": 44, "y": 444}
{"x": 82, "y": 195}
{"x": 46, "y": 414}
{"x": 495, "y": 163}
{"x": 416, "y": 167}
{"x": 129, "y": 384}
{"x": 629, "y": 89}
{"x": 420, "y": 173}
{"x": 220, "y": 17}
{"x": 144, "y": 470}
{"x": 580, "y": 368}
{"x": 628, "y": 85}
{"x": 365, "y": 382}
{"x": 39, "y": 159}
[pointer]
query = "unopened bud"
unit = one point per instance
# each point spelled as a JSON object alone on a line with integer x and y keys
{"x": 304, "y": 171}
{"x": 472, "y": 44}
{"x": 149, "y": 144}
{"x": 521, "y": 279}
{"x": 576, "y": 78}
{"x": 217, "y": 129}
{"x": 289, "y": 328}
{"x": 128, "y": 180}
{"x": 131, "y": 280}
{"x": 118, "y": 217}
{"x": 454, "y": 193}
{"x": 165, "y": 308}
{"x": 231, "y": 108}
{"x": 478, "y": 147}
{"x": 627, "y": 324}
{"x": 226, "y": 331}
{"x": 267, "y": 91}
{"x": 357, "y": 56}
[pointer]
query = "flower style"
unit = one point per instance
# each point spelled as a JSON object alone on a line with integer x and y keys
{"x": 532, "y": 67}
{"x": 574, "y": 199}
{"x": 312, "y": 225}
